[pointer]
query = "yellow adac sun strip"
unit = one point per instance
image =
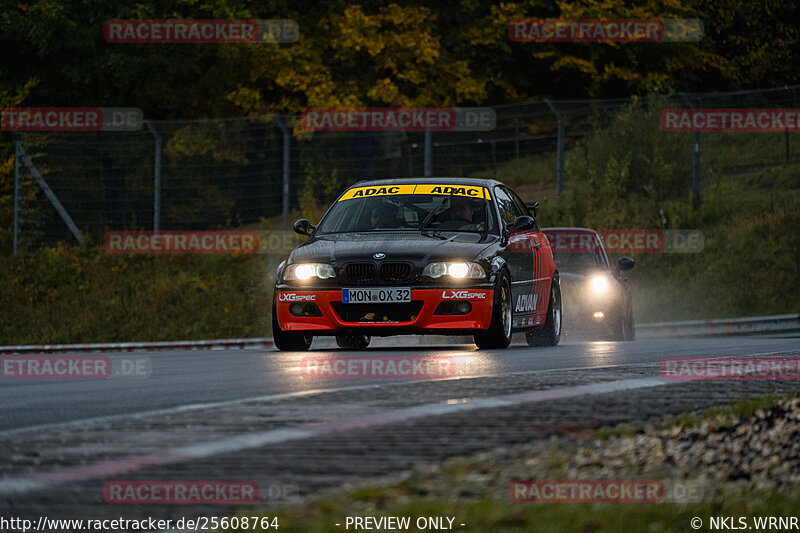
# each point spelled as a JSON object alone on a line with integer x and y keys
{"x": 455, "y": 190}
{"x": 390, "y": 190}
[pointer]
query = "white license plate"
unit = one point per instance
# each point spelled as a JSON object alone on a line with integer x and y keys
{"x": 385, "y": 295}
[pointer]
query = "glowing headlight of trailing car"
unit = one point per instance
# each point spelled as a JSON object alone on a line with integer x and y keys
{"x": 599, "y": 284}
{"x": 306, "y": 271}
{"x": 457, "y": 270}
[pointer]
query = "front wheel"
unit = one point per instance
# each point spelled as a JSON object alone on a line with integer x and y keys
{"x": 288, "y": 341}
{"x": 499, "y": 333}
{"x": 549, "y": 333}
{"x": 630, "y": 325}
{"x": 625, "y": 328}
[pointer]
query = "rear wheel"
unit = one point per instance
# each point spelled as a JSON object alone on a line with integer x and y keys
{"x": 499, "y": 333}
{"x": 350, "y": 341}
{"x": 288, "y": 341}
{"x": 549, "y": 333}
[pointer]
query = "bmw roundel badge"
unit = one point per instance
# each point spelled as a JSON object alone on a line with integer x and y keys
{"x": 379, "y": 255}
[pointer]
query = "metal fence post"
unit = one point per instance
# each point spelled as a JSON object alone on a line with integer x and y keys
{"x": 560, "y": 147}
{"x": 786, "y": 142}
{"x": 695, "y": 159}
{"x": 25, "y": 160}
{"x": 428, "y": 167}
{"x": 17, "y": 193}
{"x": 287, "y": 139}
{"x": 494, "y": 160}
{"x": 696, "y": 170}
{"x": 156, "y": 177}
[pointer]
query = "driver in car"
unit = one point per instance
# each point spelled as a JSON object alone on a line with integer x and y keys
{"x": 461, "y": 213}
{"x": 383, "y": 216}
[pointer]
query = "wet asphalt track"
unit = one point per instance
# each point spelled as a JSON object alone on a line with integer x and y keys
{"x": 182, "y": 378}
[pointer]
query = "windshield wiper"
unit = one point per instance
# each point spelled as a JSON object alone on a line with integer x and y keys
{"x": 432, "y": 233}
{"x": 436, "y": 210}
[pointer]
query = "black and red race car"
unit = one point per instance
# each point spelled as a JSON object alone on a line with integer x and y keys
{"x": 448, "y": 256}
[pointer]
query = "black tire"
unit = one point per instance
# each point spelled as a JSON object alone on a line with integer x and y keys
{"x": 630, "y": 324}
{"x": 624, "y": 327}
{"x": 349, "y": 341}
{"x": 499, "y": 333}
{"x": 288, "y": 341}
{"x": 549, "y": 333}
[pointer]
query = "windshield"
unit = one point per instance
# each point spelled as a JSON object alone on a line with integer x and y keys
{"x": 436, "y": 212}
{"x": 570, "y": 262}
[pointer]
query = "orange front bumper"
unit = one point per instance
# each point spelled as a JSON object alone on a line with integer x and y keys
{"x": 421, "y": 316}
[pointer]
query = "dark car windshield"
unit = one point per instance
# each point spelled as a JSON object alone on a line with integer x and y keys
{"x": 408, "y": 212}
{"x": 576, "y": 251}
{"x": 577, "y": 262}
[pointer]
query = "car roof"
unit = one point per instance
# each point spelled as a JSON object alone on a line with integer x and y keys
{"x": 570, "y": 230}
{"x": 450, "y": 181}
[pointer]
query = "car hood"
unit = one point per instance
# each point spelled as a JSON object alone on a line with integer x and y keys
{"x": 397, "y": 246}
{"x": 572, "y": 278}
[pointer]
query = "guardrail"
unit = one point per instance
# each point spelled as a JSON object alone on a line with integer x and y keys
{"x": 685, "y": 328}
{"x": 720, "y": 326}
{"x": 221, "y": 344}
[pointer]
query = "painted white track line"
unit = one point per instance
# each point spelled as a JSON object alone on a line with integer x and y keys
{"x": 248, "y": 441}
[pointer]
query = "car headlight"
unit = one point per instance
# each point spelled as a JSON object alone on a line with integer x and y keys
{"x": 458, "y": 270}
{"x": 306, "y": 271}
{"x": 599, "y": 284}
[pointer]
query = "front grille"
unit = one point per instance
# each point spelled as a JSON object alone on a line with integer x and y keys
{"x": 360, "y": 272}
{"x": 378, "y": 312}
{"x": 395, "y": 272}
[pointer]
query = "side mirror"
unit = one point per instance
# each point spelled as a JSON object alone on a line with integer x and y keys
{"x": 625, "y": 263}
{"x": 304, "y": 227}
{"x": 522, "y": 223}
{"x": 533, "y": 207}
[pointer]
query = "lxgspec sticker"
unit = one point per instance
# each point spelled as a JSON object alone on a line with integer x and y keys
{"x": 293, "y": 297}
{"x": 463, "y": 295}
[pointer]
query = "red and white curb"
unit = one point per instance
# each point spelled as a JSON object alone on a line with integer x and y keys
{"x": 221, "y": 344}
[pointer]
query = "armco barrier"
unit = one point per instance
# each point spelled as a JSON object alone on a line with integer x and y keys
{"x": 686, "y": 328}
{"x": 720, "y": 326}
{"x": 264, "y": 342}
